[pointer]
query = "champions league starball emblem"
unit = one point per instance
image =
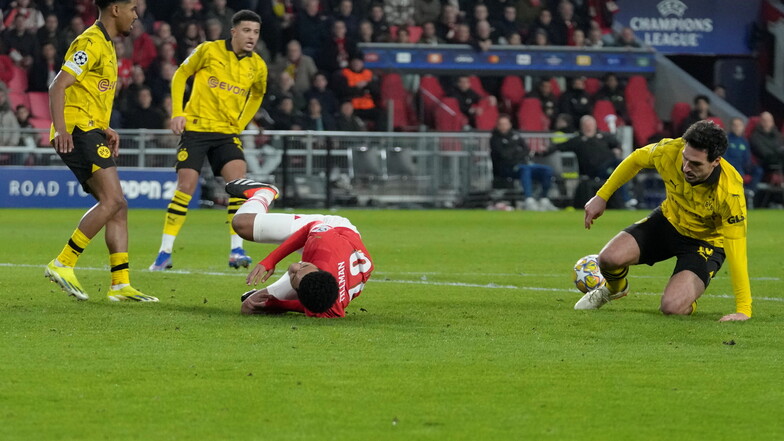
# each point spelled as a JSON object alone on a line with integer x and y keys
{"x": 672, "y": 7}
{"x": 80, "y": 58}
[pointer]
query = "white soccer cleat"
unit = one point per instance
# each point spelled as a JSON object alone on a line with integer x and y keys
{"x": 598, "y": 297}
{"x": 545, "y": 204}
{"x": 530, "y": 204}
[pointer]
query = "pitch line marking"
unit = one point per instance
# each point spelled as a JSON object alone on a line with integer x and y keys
{"x": 427, "y": 282}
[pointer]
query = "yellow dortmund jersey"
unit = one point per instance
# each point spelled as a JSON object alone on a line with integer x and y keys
{"x": 227, "y": 88}
{"x": 93, "y": 61}
{"x": 713, "y": 211}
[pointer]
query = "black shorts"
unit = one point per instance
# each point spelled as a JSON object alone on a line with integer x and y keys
{"x": 90, "y": 148}
{"x": 219, "y": 148}
{"x": 659, "y": 240}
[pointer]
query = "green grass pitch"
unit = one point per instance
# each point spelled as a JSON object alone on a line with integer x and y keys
{"x": 465, "y": 332}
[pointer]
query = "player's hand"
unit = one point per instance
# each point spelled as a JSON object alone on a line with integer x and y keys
{"x": 593, "y": 209}
{"x": 259, "y": 274}
{"x": 62, "y": 142}
{"x": 178, "y": 125}
{"x": 736, "y": 317}
{"x": 113, "y": 138}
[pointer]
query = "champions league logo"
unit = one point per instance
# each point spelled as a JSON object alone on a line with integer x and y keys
{"x": 671, "y": 7}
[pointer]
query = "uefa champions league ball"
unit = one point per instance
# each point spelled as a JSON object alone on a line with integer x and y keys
{"x": 586, "y": 273}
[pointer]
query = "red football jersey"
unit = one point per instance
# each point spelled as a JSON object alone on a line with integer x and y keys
{"x": 337, "y": 250}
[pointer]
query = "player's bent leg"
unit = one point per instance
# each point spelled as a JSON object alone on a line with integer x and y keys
{"x": 621, "y": 251}
{"x": 683, "y": 289}
{"x": 243, "y": 225}
{"x": 614, "y": 260}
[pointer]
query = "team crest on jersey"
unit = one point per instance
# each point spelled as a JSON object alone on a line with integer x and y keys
{"x": 237, "y": 142}
{"x": 80, "y": 58}
{"x": 182, "y": 155}
{"x": 705, "y": 252}
{"x": 103, "y": 151}
{"x": 321, "y": 228}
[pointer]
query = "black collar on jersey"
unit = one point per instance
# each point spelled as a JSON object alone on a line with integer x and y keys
{"x": 103, "y": 29}
{"x": 713, "y": 178}
{"x": 231, "y": 49}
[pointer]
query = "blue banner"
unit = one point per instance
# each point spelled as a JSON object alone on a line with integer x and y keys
{"x": 699, "y": 27}
{"x": 50, "y": 187}
{"x": 506, "y": 60}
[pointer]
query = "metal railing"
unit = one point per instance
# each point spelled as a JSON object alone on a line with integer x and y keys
{"x": 323, "y": 168}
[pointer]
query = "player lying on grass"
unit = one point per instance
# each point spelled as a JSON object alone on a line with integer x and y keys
{"x": 702, "y": 217}
{"x": 335, "y": 264}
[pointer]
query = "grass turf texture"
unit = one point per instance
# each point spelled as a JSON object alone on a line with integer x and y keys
{"x": 466, "y": 331}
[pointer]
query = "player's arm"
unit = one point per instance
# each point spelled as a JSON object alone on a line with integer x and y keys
{"x": 254, "y": 101}
{"x": 739, "y": 275}
{"x": 266, "y": 267}
{"x": 193, "y": 63}
{"x": 626, "y": 170}
{"x": 262, "y": 302}
{"x": 62, "y": 141}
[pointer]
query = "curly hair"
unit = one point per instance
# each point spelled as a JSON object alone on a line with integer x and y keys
{"x": 318, "y": 291}
{"x": 707, "y": 136}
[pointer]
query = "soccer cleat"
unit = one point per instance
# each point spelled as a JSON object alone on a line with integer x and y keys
{"x": 530, "y": 204}
{"x": 245, "y": 188}
{"x": 598, "y": 297}
{"x": 129, "y": 294}
{"x": 162, "y": 262}
{"x": 545, "y": 204}
{"x": 247, "y": 294}
{"x": 238, "y": 258}
{"x": 65, "y": 277}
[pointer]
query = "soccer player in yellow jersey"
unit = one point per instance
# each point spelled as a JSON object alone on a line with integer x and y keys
{"x": 702, "y": 218}
{"x": 228, "y": 85}
{"x": 80, "y": 102}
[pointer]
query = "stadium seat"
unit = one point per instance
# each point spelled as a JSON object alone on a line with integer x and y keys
{"x": 430, "y": 94}
{"x": 592, "y": 85}
{"x": 476, "y": 85}
{"x": 414, "y": 33}
{"x": 645, "y": 124}
{"x": 601, "y": 109}
{"x": 556, "y": 87}
{"x": 45, "y": 125}
{"x": 719, "y": 122}
{"x": 750, "y": 125}
{"x": 18, "y": 81}
{"x": 18, "y": 98}
{"x": 392, "y": 90}
{"x": 488, "y": 117}
{"x": 637, "y": 93}
{"x": 448, "y": 117}
{"x": 680, "y": 110}
{"x": 39, "y": 104}
{"x": 512, "y": 92}
{"x": 530, "y": 117}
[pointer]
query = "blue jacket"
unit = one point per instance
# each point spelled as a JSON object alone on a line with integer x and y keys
{"x": 738, "y": 153}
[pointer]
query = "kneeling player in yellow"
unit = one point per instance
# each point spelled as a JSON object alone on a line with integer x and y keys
{"x": 229, "y": 83}
{"x": 80, "y": 100}
{"x": 702, "y": 218}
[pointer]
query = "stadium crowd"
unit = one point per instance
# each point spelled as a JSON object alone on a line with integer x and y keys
{"x": 318, "y": 80}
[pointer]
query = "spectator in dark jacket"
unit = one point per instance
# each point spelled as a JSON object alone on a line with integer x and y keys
{"x": 576, "y": 101}
{"x": 739, "y": 155}
{"x": 613, "y": 91}
{"x": 700, "y": 111}
{"x": 767, "y": 144}
{"x": 512, "y": 160}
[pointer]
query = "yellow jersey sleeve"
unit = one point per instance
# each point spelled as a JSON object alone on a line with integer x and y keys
{"x": 626, "y": 170}
{"x": 81, "y": 58}
{"x": 189, "y": 66}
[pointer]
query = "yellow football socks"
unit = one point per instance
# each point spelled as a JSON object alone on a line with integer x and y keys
{"x": 73, "y": 249}
{"x": 175, "y": 214}
{"x": 616, "y": 279}
{"x": 234, "y": 205}
{"x": 118, "y": 262}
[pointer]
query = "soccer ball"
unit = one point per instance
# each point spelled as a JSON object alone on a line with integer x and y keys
{"x": 586, "y": 273}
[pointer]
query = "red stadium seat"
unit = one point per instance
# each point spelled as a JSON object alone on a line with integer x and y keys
{"x": 531, "y": 117}
{"x": 679, "y": 112}
{"x": 45, "y": 125}
{"x": 592, "y": 85}
{"x": 637, "y": 93}
{"x": 39, "y": 104}
{"x": 476, "y": 85}
{"x": 404, "y": 117}
{"x": 512, "y": 92}
{"x": 430, "y": 94}
{"x": 716, "y": 120}
{"x": 448, "y": 117}
{"x": 556, "y": 87}
{"x": 18, "y": 81}
{"x": 601, "y": 109}
{"x": 750, "y": 125}
{"x": 645, "y": 124}
{"x": 414, "y": 33}
{"x": 18, "y": 98}
{"x": 488, "y": 116}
